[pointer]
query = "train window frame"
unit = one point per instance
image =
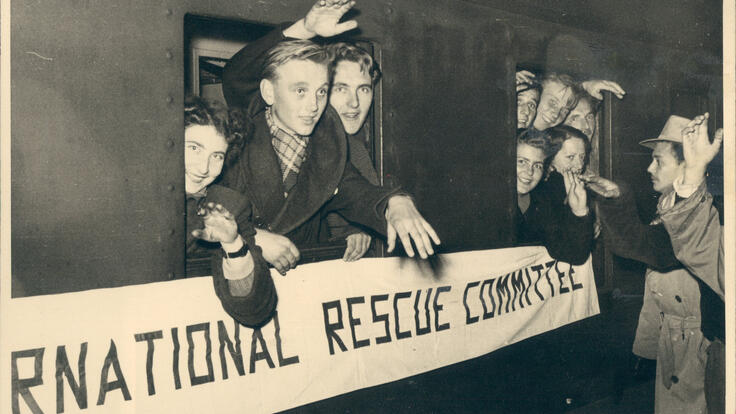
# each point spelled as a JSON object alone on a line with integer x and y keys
{"x": 212, "y": 41}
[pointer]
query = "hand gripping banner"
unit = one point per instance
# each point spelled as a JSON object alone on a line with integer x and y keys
{"x": 169, "y": 347}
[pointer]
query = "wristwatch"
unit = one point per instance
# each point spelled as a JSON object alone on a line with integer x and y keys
{"x": 240, "y": 253}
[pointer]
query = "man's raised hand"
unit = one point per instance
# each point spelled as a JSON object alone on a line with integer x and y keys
{"x": 405, "y": 221}
{"x": 696, "y": 146}
{"x": 323, "y": 19}
{"x": 595, "y": 87}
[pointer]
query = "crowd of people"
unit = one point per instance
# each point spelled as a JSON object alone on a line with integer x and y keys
{"x": 681, "y": 323}
{"x": 293, "y": 171}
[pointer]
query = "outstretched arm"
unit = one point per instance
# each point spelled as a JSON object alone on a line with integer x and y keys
{"x": 594, "y": 87}
{"x": 624, "y": 233}
{"x": 242, "y": 74}
{"x": 693, "y": 223}
{"x": 242, "y": 282}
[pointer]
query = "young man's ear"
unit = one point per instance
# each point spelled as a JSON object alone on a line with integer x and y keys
{"x": 267, "y": 91}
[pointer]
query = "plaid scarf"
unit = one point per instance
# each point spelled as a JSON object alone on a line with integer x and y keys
{"x": 291, "y": 151}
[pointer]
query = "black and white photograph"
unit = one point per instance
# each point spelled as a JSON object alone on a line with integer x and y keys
{"x": 367, "y": 206}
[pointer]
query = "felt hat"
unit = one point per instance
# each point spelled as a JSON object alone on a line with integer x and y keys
{"x": 672, "y": 132}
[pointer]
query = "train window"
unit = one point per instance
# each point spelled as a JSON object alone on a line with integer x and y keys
{"x": 209, "y": 43}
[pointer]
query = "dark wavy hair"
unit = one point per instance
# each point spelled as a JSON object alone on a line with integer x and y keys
{"x": 349, "y": 52}
{"x": 229, "y": 122}
{"x": 561, "y": 133}
{"x": 538, "y": 139}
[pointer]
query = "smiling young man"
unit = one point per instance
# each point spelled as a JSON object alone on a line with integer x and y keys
{"x": 669, "y": 328}
{"x": 294, "y": 166}
{"x": 351, "y": 96}
{"x": 559, "y": 96}
{"x": 583, "y": 116}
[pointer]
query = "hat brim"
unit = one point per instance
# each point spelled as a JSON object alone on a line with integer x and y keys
{"x": 652, "y": 142}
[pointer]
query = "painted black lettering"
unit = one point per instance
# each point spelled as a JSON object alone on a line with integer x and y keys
{"x": 438, "y": 307}
{"x": 175, "y": 364}
{"x": 561, "y": 276}
{"x": 256, "y": 356}
{"x": 111, "y": 360}
{"x": 470, "y": 319}
{"x": 538, "y": 269}
{"x": 575, "y": 286}
{"x": 195, "y": 379}
{"x": 234, "y": 350}
{"x": 519, "y": 286}
{"x": 503, "y": 292}
{"x": 380, "y": 318}
{"x": 330, "y": 328}
{"x": 149, "y": 337}
{"x": 548, "y": 265}
{"x": 528, "y": 286}
{"x": 357, "y": 343}
{"x": 279, "y": 347}
{"x": 20, "y": 386}
{"x": 427, "y": 329}
{"x": 79, "y": 390}
{"x": 399, "y": 333}
{"x": 486, "y": 313}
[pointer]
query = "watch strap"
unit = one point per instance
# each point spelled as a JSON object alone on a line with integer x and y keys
{"x": 240, "y": 253}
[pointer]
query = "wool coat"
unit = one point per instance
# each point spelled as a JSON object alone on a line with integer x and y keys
{"x": 550, "y": 222}
{"x": 326, "y": 181}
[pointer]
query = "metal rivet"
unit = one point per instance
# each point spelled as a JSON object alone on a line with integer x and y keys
{"x": 170, "y": 143}
{"x": 389, "y": 10}
{"x": 172, "y": 232}
{"x": 169, "y": 55}
{"x": 169, "y": 12}
{"x": 170, "y": 275}
{"x": 391, "y": 114}
{"x": 169, "y": 99}
{"x": 170, "y": 187}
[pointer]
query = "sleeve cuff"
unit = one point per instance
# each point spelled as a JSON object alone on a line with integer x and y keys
{"x": 238, "y": 268}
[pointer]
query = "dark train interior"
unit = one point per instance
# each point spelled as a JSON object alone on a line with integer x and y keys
{"x": 97, "y": 92}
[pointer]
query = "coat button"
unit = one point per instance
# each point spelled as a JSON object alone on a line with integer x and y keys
{"x": 674, "y": 379}
{"x": 678, "y": 298}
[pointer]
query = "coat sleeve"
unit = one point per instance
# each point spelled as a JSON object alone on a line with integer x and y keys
{"x": 242, "y": 74}
{"x": 626, "y": 235}
{"x": 361, "y": 202}
{"x": 257, "y": 308}
{"x": 567, "y": 237}
{"x": 697, "y": 238}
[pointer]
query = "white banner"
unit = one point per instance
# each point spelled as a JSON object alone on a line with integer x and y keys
{"x": 169, "y": 348}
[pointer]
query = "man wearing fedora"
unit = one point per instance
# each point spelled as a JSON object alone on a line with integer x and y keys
{"x": 672, "y": 246}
